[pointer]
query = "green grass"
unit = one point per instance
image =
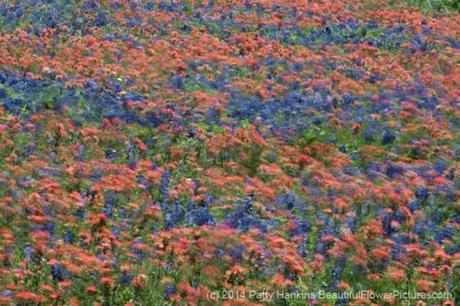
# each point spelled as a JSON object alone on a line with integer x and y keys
{"x": 433, "y": 5}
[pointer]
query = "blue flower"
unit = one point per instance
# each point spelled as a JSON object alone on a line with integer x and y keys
{"x": 174, "y": 216}
{"x": 100, "y": 20}
{"x": 352, "y": 223}
{"x": 164, "y": 184}
{"x": 339, "y": 268}
{"x": 420, "y": 228}
{"x": 388, "y": 137}
{"x": 394, "y": 170}
{"x": 28, "y": 252}
{"x": 169, "y": 290}
{"x": 422, "y": 193}
{"x": 57, "y": 272}
{"x": 125, "y": 278}
{"x": 199, "y": 216}
{"x": 3, "y": 93}
{"x": 68, "y": 238}
{"x": 388, "y": 229}
{"x": 290, "y": 201}
{"x": 441, "y": 166}
{"x": 177, "y": 82}
{"x": 110, "y": 200}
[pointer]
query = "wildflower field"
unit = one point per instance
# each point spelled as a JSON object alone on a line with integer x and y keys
{"x": 229, "y": 152}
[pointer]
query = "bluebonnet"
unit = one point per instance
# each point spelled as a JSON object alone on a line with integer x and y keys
{"x": 91, "y": 84}
{"x": 352, "y": 223}
{"x": 328, "y": 228}
{"x": 169, "y": 290}
{"x": 177, "y": 82}
{"x": 45, "y": 171}
{"x": 341, "y": 301}
{"x": 394, "y": 170}
{"x": 90, "y": 5}
{"x": 388, "y": 137}
{"x": 352, "y": 171}
{"x": 243, "y": 218}
{"x": 303, "y": 250}
{"x": 213, "y": 114}
{"x": 386, "y": 224}
{"x": 441, "y": 166}
{"x": 437, "y": 215}
{"x": 420, "y": 227}
{"x": 375, "y": 77}
{"x": 220, "y": 252}
{"x": 428, "y": 102}
{"x": 3, "y": 93}
{"x": 414, "y": 205}
{"x": 6, "y": 293}
{"x": 164, "y": 183}
{"x": 374, "y": 166}
{"x": 50, "y": 227}
{"x": 419, "y": 44}
{"x": 174, "y": 215}
{"x": 237, "y": 253}
{"x": 246, "y": 222}
{"x": 28, "y": 150}
{"x": 441, "y": 233}
{"x": 132, "y": 155}
{"x": 48, "y": 210}
{"x": 28, "y": 252}
{"x": 290, "y": 201}
{"x": 398, "y": 249}
{"x": 138, "y": 253}
{"x": 369, "y": 133}
{"x": 399, "y": 216}
{"x": 304, "y": 226}
{"x": 68, "y": 237}
{"x": 116, "y": 232}
{"x": 454, "y": 43}
{"x": 422, "y": 193}
{"x": 145, "y": 182}
{"x": 100, "y": 20}
{"x": 110, "y": 200}
{"x": 453, "y": 249}
{"x": 81, "y": 153}
{"x": 125, "y": 278}
{"x": 198, "y": 215}
{"x": 339, "y": 268}
{"x": 57, "y": 272}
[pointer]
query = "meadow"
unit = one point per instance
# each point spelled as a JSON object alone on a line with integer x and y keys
{"x": 229, "y": 152}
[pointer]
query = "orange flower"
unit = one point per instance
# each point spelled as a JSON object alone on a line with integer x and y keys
{"x": 343, "y": 285}
{"x": 4, "y": 300}
{"x": 139, "y": 280}
{"x": 91, "y": 290}
{"x": 30, "y": 297}
{"x": 280, "y": 281}
{"x": 340, "y": 204}
{"x": 106, "y": 281}
{"x": 188, "y": 290}
{"x": 74, "y": 301}
{"x": 425, "y": 285}
{"x": 396, "y": 274}
{"x": 380, "y": 253}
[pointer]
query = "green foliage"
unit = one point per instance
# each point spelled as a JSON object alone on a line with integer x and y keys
{"x": 433, "y": 5}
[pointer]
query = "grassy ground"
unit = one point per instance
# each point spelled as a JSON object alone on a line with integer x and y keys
{"x": 433, "y": 5}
